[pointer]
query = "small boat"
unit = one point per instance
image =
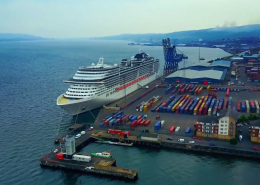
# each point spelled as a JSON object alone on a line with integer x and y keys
{"x": 103, "y": 154}
{"x": 202, "y": 58}
{"x": 102, "y": 141}
{"x": 115, "y": 143}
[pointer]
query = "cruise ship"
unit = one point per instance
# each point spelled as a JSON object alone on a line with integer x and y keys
{"x": 101, "y": 84}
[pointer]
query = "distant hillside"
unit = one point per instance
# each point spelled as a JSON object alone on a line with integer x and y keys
{"x": 4, "y": 37}
{"x": 193, "y": 35}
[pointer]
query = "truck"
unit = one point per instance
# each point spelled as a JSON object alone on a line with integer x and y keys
{"x": 181, "y": 140}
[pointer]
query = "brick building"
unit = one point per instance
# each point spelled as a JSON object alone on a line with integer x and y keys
{"x": 221, "y": 127}
{"x": 255, "y": 134}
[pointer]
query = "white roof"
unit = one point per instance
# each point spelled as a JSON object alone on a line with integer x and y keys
{"x": 189, "y": 73}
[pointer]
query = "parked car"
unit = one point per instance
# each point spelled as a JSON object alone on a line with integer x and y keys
{"x": 91, "y": 128}
{"x": 82, "y": 132}
{"x": 56, "y": 150}
{"x": 191, "y": 141}
{"x": 207, "y": 139}
{"x": 89, "y": 168}
{"x": 200, "y": 139}
{"x": 194, "y": 138}
{"x": 77, "y": 136}
{"x": 169, "y": 138}
{"x": 255, "y": 148}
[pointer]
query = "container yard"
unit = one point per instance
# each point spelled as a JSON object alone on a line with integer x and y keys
{"x": 164, "y": 108}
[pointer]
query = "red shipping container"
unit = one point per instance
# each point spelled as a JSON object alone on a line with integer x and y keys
{"x": 147, "y": 122}
{"x": 59, "y": 156}
{"x": 200, "y": 111}
{"x": 111, "y": 131}
{"x": 106, "y": 122}
{"x": 172, "y": 128}
{"x": 142, "y": 122}
{"x": 138, "y": 121}
{"x": 133, "y": 124}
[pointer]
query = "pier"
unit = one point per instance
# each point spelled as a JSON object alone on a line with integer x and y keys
{"x": 99, "y": 165}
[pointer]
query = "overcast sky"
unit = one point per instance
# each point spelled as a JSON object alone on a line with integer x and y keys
{"x": 87, "y": 18}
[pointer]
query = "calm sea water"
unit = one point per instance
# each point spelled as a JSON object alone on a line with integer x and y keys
{"x": 31, "y": 75}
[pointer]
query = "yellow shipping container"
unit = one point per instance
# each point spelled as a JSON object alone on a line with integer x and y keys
{"x": 155, "y": 101}
{"x": 174, "y": 107}
{"x": 201, "y": 88}
{"x": 195, "y": 110}
{"x": 145, "y": 108}
{"x": 208, "y": 88}
{"x": 202, "y": 105}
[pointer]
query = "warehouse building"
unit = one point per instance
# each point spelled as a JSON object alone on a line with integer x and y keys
{"x": 213, "y": 73}
{"x": 212, "y": 76}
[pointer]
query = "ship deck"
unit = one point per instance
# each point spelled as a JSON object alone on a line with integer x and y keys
{"x": 63, "y": 100}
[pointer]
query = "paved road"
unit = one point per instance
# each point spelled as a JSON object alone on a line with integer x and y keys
{"x": 245, "y": 145}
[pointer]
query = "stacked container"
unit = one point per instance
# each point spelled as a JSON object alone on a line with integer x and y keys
{"x": 169, "y": 89}
{"x": 216, "y": 108}
{"x": 227, "y": 94}
{"x": 192, "y": 107}
{"x": 211, "y": 106}
{"x": 182, "y": 109}
{"x": 169, "y": 108}
{"x": 243, "y": 106}
{"x": 229, "y": 102}
{"x": 172, "y": 129}
{"x": 147, "y": 122}
{"x": 257, "y": 107}
{"x": 208, "y": 88}
{"x": 238, "y": 106}
{"x": 252, "y": 106}
{"x": 157, "y": 125}
{"x": 195, "y": 112}
{"x": 254, "y": 73}
{"x": 182, "y": 101}
{"x": 188, "y": 129}
{"x": 186, "y": 110}
{"x": 247, "y": 107}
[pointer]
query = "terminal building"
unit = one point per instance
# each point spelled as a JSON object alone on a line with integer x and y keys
{"x": 213, "y": 73}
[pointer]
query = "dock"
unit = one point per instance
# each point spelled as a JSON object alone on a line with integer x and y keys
{"x": 72, "y": 129}
{"x": 98, "y": 165}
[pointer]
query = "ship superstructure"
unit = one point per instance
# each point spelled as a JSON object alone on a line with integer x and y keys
{"x": 100, "y": 84}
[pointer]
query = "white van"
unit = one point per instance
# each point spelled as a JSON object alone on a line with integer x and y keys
{"x": 181, "y": 140}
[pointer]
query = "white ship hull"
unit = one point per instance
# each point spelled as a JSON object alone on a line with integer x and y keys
{"x": 83, "y": 105}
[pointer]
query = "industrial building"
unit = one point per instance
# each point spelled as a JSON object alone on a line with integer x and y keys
{"x": 213, "y": 73}
{"x": 221, "y": 127}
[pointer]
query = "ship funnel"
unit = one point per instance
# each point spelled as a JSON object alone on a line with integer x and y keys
{"x": 101, "y": 61}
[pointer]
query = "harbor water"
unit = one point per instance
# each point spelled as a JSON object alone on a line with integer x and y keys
{"x": 32, "y": 74}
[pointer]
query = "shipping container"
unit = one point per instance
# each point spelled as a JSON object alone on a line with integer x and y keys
{"x": 172, "y": 128}
{"x": 147, "y": 122}
{"x": 134, "y": 124}
{"x": 157, "y": 125}
{"x": 257, "y": 107}
{"x": 187, "y": 130}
